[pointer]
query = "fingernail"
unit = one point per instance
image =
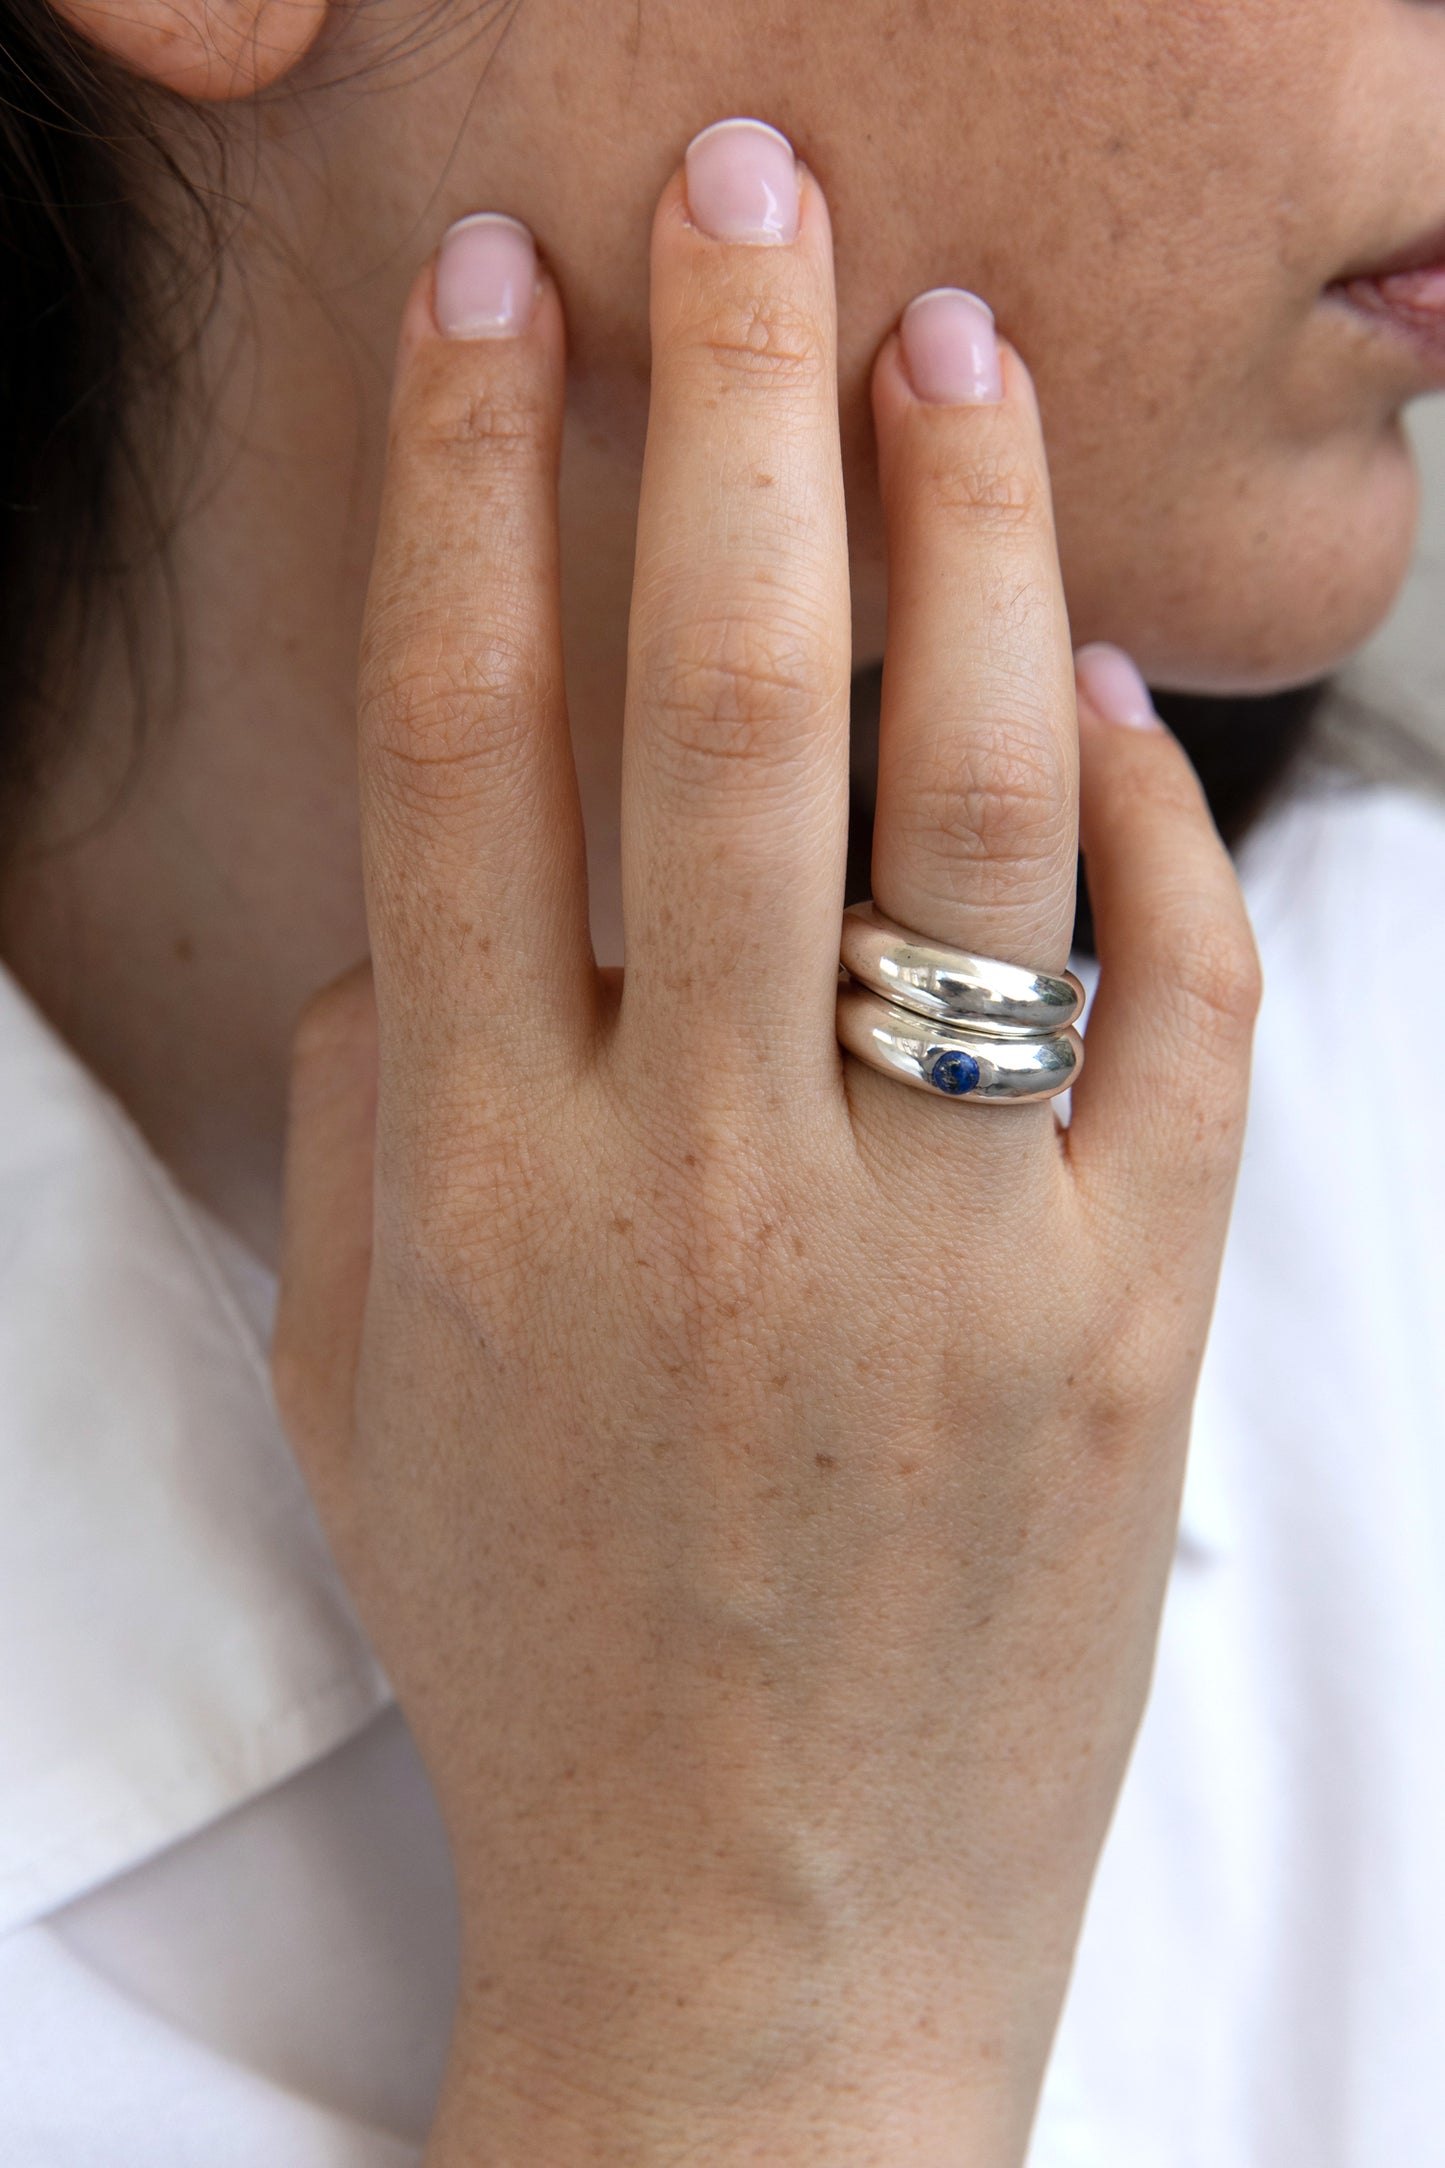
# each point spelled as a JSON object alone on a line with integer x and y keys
{"x": 742, "y": 182}
{"x": 486, "y": 278}
{"x": 1113, "y": 686}
{"x": 950, "y": 348}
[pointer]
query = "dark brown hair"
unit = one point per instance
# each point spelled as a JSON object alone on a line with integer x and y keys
{"x": 97, "y": 303}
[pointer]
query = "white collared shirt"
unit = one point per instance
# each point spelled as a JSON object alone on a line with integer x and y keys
{"x": 227, "y": 1929}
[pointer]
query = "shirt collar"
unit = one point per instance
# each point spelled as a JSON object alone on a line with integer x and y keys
{"x": 176, "y": 1637}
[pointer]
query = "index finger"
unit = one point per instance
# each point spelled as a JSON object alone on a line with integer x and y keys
{"x": 471, "y": 827}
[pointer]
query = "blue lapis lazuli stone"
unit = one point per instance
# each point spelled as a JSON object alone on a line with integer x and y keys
{"x": 954, "y": 1073}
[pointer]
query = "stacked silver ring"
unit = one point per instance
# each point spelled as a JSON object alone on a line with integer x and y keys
{"x": 945, "y": 1020}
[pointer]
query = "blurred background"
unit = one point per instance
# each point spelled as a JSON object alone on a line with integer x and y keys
{"x": 1394, "y": 694}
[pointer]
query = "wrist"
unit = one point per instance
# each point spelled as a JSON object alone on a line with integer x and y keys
{"x": 796, "y": 2082}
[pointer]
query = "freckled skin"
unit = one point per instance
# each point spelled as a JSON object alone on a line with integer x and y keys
{"x": 1152, "y": 194}
{"x": 1164, "y": 191}
{"x": 1152, "y": 197}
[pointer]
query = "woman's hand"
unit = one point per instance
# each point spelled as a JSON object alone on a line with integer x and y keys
{"x": 759, "y": 1478}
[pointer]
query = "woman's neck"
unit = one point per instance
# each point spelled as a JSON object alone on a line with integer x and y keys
{"x": 171, "y": 921}
{"x": 176, "y": 931}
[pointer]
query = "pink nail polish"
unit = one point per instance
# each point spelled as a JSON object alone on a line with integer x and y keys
{"x": 950, "y": 349}
{"x": 486, "y": 278}
{"x": 742, "y": 182}
{"x": 1112, "y": 685}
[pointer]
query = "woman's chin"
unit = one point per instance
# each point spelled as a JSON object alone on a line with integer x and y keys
{"x": 1270, "y": 591}
{"x": 1263, "y": 583}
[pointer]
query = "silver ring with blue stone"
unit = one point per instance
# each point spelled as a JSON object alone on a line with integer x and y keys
{"x": 956, "y": 1061}
{"x": 953, "y": 985}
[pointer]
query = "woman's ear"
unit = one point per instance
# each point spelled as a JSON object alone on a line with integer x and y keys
{"x": 205, "y": 49}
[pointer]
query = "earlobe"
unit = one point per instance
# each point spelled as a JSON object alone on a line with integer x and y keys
{"x": 204, "y": 49}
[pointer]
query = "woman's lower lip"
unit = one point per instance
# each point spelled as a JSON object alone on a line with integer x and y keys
{"x": 1409, "y": 303}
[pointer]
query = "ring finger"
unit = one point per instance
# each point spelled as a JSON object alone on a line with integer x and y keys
{"x": 975, "y": 839}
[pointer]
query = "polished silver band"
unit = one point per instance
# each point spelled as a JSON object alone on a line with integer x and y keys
{"x": 952, "y": 985}
{"x": 959, "y": 1061}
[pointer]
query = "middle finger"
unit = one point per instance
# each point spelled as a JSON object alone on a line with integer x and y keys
{"x": 735, "y": 769}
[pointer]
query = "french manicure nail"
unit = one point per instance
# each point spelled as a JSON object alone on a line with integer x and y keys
{"x": 486, "y": 278}
{"x": 742, "y": 182}
{"x": 1112, "y": 685}
{"x": 950, "y": 349}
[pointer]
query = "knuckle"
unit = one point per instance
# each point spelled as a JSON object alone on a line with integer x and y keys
{"x": 733, "y": 690}
{"x": 500, "y": 422}
{"x": 1216, "y": 983}
{"x": 439, "y": 700}
{"x": 760, "y": 343}
{"x": 996, "y": 488}
{"x": 1131, "y": 1375}
{"x": 1003, "y": 801}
